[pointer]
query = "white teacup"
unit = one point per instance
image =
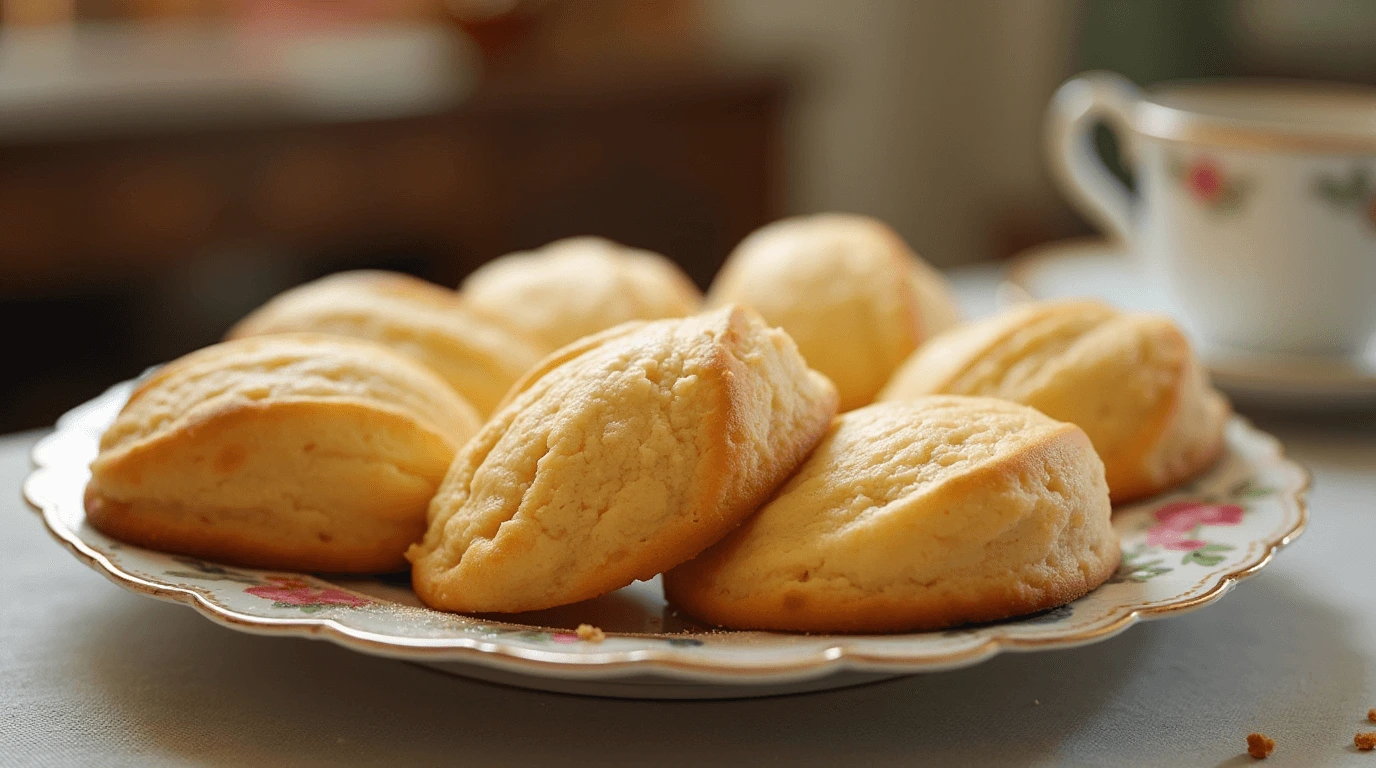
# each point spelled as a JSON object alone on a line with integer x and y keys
{"x": 1256, "y": 202}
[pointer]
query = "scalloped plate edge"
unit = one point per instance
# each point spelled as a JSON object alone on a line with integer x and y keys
{"x": 673, "y": 664}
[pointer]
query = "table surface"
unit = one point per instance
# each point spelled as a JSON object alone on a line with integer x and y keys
{"x": 93, "y": 675}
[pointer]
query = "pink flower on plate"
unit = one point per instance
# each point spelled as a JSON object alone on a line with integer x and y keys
{"x": 1184, "y": 515}
{"x": 1175, "y": 521}
{"x": 1173, "y": 540}
{"x": 564, "y": 637}
{"x": 292, "y": 591}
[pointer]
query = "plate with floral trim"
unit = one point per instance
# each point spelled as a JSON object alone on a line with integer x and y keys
{"x": 1181, "y": 551}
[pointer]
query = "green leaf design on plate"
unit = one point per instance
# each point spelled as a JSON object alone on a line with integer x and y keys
{"x": 1145, "y": 574}
{"x": 1248, "y": 490}
{"x": 1138, "y": 572}
{"x": 200, "y": 569}
{"x": 212, "y": 577}
{"x": 307, "y": 608}
{"x": 1198, "y": 556}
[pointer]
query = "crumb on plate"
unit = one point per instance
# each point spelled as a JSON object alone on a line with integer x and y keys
{"x": 1371, "y": 714}
{"x": 1259, "y": 745}
{"x": 590, "y": 633}
{"x": 1365, "y": 741}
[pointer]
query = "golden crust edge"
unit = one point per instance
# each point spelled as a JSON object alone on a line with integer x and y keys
{"x": 134, "y": 519}
{"x": 693, "y": 593}
{"x": 678, "y": 544}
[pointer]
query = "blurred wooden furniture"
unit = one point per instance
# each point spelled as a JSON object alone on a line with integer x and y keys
{"x": 128, "y": 242}
{"x": 683, "y": 160}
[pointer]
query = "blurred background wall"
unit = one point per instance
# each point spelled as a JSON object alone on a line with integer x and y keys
{"x": 166, "y": 165}
{"x": 925, "y": 114}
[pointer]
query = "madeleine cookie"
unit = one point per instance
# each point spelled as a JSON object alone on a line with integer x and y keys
{"x": 915, "y": 516}
{"x": 1130, "y": 381}
{"x": 846, "y": 288}
{"x": 296, "y": 451}
{"x": 623, "y": 460}
{"x": 578, "y": 286}
{"x": 478, "y": 357}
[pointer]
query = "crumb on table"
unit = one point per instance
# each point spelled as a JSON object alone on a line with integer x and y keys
{"x": 1365, "y": 741}
{"x": 590, "y": 633}
{"x": 1371, "y": 714}
{"x": 1260, "y": 746}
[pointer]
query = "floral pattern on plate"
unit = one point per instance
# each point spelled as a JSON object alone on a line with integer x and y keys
{"x": 296, "y": 592}
{"x": 1181, "y": 551}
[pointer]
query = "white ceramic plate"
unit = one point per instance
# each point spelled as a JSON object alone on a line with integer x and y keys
{"x": 1098, "y": 269}
{"x": 1181, "y": 552}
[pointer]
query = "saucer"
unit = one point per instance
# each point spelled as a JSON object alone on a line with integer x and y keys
{"x": 1094, "y": 268}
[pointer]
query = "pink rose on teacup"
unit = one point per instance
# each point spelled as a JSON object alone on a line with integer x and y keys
{"x": 1204, "y": 179}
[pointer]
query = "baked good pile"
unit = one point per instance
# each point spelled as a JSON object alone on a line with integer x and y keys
{"x": 817, "y": 445}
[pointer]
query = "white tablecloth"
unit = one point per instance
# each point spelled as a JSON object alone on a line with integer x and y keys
{"x": 92, "y": 675}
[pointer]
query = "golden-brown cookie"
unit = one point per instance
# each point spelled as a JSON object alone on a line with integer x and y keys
{"x": 296, "y": 451}
{"x": 848, "y": 290}
{"x": 478, "y": 357}
{"x": 1130, "y": 381}
{"x": 578, "y": 286}
{"x": 914, "y": 516}
{"x": 625, "y": 458}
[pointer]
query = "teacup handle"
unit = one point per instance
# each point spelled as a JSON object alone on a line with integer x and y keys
{"x": 1079, "y": 104}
